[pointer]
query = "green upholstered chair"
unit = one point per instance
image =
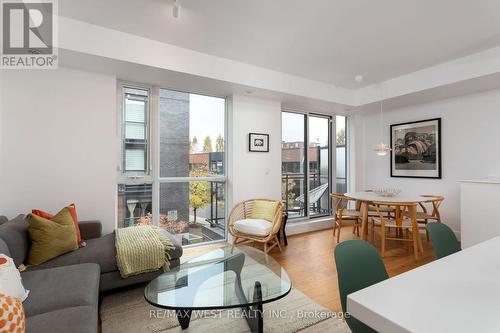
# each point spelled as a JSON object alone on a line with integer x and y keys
{"x": 443, "y": 239}
{"x": 358, "y": 266}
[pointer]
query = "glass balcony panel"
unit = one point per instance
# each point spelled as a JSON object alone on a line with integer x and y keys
{"x": 193, "y": 211}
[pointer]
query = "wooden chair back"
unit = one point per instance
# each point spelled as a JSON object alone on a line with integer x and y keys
{"x": 404, "y": 207}
{"x": 340, "y": 202}
{"x": 436, "y": 201}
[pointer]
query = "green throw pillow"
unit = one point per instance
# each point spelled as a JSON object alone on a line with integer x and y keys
{"x": 51, "y": 238}
{"x": 264, "y": 210}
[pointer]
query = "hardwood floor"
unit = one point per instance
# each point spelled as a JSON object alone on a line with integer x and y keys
{"x": 308, "y": 259}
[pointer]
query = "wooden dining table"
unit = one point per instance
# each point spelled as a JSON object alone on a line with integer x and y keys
{"x": 367, "y": 198}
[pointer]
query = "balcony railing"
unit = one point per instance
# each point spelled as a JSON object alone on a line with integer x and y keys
{"x": 293, "y": 193}
{"x": 177, "y": 217}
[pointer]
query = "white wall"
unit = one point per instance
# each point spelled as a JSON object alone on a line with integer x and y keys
{"x": 251, "y": 174}
{"x": 470, "y": 136}
{"x": 79, "y": 36}
{"x": 59, "y": 143}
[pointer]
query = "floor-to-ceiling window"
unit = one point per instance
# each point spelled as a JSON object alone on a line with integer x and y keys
{"x": 308, "y": 160}
{"x": 181, "y": 186}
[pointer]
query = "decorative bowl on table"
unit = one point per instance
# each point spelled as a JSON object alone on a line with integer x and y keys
{"x": 387, "y": 191}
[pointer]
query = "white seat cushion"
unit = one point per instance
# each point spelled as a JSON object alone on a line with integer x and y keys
{"x": 255, "y": 227}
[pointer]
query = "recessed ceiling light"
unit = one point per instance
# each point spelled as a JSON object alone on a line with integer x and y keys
{"x": 358, "y": 78}
{"x": 176, "y": 12}
{"x": 248, "y": 92}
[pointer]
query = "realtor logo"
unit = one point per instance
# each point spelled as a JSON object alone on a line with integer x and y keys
{"x": 28, "y": 34}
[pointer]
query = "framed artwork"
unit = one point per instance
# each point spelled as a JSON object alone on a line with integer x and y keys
{"x": 258, "y": 142}
{"x": 416, "y": 149}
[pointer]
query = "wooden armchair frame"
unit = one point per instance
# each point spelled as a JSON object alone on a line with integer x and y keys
{"x": 243, "y": 210}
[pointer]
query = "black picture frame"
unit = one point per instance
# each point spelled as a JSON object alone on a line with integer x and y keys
{"x": 258, "y": 142}
{"x": 415, "y": 173}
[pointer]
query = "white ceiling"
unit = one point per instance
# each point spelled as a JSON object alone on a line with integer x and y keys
{"x": 324, "y": 40}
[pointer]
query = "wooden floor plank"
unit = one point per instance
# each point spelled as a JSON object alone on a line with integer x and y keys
{"x": 308, "y": 259}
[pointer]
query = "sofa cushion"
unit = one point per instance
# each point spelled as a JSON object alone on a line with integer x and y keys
{"x": 4, "y": 249}
{"x": 90, "y": 229}
{"x": 176, "y": 253}
{"x": 15, "y": 235}
{"x": 101, "y": 251}
{"x": 61, "y": 287}
{"x": 255, "y": 227}
{"x": 78, "y": 319}
{"x": 3, "y": 219}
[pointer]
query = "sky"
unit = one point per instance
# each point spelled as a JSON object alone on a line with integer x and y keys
{"x": 293, "y": 128}
{"x": 206, "y": 118}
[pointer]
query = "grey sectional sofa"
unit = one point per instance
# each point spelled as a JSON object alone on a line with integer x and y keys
{"x": 64, "y": 292}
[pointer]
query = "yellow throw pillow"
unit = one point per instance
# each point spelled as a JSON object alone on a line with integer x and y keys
{"x": 51, "y": 238}
{"x": 264, "y": 210}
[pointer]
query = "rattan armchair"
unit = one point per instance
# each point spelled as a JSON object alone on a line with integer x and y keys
{"x": 243, "y": 210}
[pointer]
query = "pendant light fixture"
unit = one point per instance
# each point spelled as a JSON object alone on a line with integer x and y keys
{"x": 381, "y": 149}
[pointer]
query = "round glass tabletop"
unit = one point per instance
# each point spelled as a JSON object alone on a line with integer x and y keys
{"x": 227, "y": 277}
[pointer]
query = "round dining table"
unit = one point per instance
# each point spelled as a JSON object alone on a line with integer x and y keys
{"x": 367, "y": 198}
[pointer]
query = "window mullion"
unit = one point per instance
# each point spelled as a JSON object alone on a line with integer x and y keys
{"x": 154, "y": 129}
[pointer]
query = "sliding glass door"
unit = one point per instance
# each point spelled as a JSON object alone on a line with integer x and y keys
{"x": 293, "y": 164}
{"x": 319, "y": 165}
{"x": 308, "y": 163}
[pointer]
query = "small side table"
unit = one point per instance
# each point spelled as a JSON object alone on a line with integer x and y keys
{"x": 282, "y": 233}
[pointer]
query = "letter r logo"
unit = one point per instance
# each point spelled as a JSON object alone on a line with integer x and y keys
{"x": 27, "y": 27}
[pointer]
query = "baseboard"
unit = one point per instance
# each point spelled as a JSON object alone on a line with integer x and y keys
{"x": 300, "y": 227}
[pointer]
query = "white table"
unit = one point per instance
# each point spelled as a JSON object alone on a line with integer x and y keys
{"x": 458, "y": 293}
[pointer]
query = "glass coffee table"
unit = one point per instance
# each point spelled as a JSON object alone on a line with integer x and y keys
{"x": 228, "y": 277}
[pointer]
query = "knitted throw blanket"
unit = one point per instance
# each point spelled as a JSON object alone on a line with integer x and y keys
{"x": 141, "y": 249}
